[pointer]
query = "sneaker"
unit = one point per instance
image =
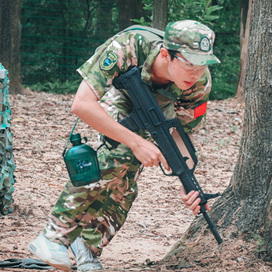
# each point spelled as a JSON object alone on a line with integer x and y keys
{"x": 50, "y": 252}
{"x": 86, "y": 259}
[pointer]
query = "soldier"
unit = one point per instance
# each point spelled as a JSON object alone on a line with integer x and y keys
{"x": 175, "y": 65}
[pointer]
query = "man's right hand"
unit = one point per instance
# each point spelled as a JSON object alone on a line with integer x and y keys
{"x": 148, "y": 153}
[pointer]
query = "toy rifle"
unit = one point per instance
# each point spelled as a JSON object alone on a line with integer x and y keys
{"x": 146, "y": 114}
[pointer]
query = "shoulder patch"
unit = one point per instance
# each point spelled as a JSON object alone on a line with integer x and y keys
{"x": 108, "y": 60}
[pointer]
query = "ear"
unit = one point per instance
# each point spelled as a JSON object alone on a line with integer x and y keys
{"x": 164, "y": 53}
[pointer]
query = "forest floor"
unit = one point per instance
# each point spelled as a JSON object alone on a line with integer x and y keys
{"x": 41, "y": 123}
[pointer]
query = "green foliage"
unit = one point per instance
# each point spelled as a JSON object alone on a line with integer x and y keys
{"x": 148, "y": 6}
{"x": 58, "y": 87}
{"x": 224, "y": 78}
{"x": 227, "y": 48}
{"x": 59, "y": 36}
{"x": 141, "y": 21}
{"x": 201, "y": 10}
{"x": 259, "y": 242}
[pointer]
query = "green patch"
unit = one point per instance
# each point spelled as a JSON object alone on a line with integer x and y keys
{"x": 108, "y": 60}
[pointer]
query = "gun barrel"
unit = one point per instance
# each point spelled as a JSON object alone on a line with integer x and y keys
{"x": 212, "y": 227}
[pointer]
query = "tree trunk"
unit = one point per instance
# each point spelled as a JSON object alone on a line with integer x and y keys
{"x": 104, "y": 26}
{"x": 128, "y": 10}
{"x": 251, "y": 182}
{"x": 245, "y": 7}
{"x": 245, "y": 206}
{"x": 160, "y": 14}
{"x": 10, "y": 37}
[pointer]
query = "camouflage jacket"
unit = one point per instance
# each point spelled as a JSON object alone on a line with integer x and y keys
{"x": 134, "y": 48}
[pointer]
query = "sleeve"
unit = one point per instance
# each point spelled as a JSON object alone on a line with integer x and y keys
{"x": 115, "y": 56}
{"x": 191, "y": 107}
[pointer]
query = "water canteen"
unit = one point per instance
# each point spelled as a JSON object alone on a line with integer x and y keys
{"x": 81, "y": 161}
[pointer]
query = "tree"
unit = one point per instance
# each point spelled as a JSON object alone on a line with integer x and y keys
{"x": 10, "y": 37}
{"x": 104, "y": 25}
{"x": 245, "y": 208}
{"x": 244, "y": 37}
{"x": 129, "y": 10}
{"x": 160, "y": 14}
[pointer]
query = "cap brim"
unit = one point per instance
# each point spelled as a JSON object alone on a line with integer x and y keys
{"x": 201, "y": 59}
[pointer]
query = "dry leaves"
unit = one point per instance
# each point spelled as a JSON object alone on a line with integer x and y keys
{"x": 41, "y": 125}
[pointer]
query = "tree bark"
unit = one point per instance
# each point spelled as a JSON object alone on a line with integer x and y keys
{"x": 160, "y": 14}
{"x": 128, "y": 10}
{"x": 104, "y": 26}
{"x": 251, "y": 181}
{"x": 246, "y": 205}
{"x": 245, "y": 7}
{"x": 10, "y": 37}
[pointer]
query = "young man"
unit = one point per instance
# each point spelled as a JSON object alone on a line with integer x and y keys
{"x": 176, "y": 68}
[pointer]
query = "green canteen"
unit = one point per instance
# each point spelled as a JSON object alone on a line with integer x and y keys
{"x": 81, "y": 162}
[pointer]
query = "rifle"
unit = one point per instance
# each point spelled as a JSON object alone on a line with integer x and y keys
{"x": 146, "y": 114}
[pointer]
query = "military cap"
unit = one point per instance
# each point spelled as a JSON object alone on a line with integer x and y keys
{"x": 193, "y": 40}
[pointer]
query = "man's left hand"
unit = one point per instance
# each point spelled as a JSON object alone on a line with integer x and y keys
{"x": 191, "y": 201}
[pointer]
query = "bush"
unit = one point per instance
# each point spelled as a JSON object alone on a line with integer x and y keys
{"x": 57, "y": 87}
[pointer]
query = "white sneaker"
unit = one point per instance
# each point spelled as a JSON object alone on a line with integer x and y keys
{"x": 50, "y": 252}
{"x": 86, "y": 259}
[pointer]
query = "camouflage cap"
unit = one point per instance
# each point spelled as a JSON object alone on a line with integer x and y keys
{"x": 193, "y": 40}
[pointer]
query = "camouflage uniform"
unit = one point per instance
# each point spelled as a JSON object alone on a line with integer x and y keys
{"x": 97, "y": 211}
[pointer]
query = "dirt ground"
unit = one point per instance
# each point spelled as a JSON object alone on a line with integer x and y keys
{"x": 41, "y": 123}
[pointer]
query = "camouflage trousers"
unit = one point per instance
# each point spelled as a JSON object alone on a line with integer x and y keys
{"x": 97, "y": 211}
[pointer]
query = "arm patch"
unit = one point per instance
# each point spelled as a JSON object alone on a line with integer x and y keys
{"x": 108, "y": 60}
{"x": 200, "y": 110}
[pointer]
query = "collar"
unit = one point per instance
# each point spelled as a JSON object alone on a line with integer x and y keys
{"x": 146, "y": 69}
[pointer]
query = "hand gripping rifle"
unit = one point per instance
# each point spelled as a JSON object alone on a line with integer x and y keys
{"x": 146, "y": 114}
